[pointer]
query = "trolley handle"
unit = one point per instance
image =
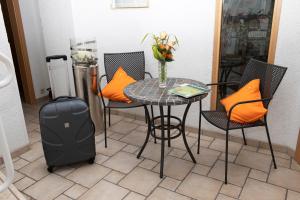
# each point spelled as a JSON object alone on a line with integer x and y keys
{"x": 55, "y": 57}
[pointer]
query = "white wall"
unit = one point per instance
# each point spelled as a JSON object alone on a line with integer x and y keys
{"x": 121, "y": 30}
{"x": 10, "y": 104}
{"x": 35, "y": 46}
{"x": 57, "y": 27}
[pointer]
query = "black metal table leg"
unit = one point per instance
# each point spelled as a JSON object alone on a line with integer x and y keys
{"x": 152, "y": 115}
{"x": 148, "y": 132}
{"x": 183, "y": 133}
{"x": 199, "y": 130}
{"x": 162, "y": 142}
{"x": 169, "y": 126}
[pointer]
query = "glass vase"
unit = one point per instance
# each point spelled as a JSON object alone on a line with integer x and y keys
{"x": 162, "y": 71}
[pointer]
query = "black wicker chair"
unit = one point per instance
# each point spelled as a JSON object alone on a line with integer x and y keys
{"x": 270, "y": 77}
{"x": 134, "y": 65}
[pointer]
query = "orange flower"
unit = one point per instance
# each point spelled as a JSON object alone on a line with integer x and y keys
{"x": 169, "y": 56}
{"x": 161, "y": 46}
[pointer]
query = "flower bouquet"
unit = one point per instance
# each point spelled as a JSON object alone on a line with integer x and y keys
{"x": 163, "y": 49}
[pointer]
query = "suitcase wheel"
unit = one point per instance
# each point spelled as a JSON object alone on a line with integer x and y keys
{"x": 50, "y": 169}
{"x": 91, "y": 161}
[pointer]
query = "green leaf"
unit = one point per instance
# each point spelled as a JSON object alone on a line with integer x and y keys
{"x": 144, "y": 38}
{"x": 176, "y": 40}
{"x": 157, "y": 55}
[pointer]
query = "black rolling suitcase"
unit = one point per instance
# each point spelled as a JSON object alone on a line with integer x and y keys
{"x": 67, "y": 131}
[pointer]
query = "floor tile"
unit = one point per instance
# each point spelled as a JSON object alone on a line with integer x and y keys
{"x": 153, "y": 151}
{"x": 205, "y": 157}
{"x": 291, "y": 195}
{"x": 75, "y": 191}
{"x": 231, "y": 190}
{"x": 286, "y": 178}
{"x": 295, "y": 165}
{"x": 63, "y": 197}
{"x": 36, "y": 169}
{"x": 163, "y": 194}
{"x": 179, "y": 144}
{"x": 116, "y": 136}
{"x": 254, "y": 160}
{"x": 35, "y": 152}
{"x": 115, "y": 119}
{"x": 200, "y": 187}
{"x": 113, "y": 146}
{"x": 219, "y": 145}
{"x": 175, "y": 167}
{"x": 258, "y": 175}
{"x": 237, "y": 174}
{"x": 276, "y": 153}
{"x": 148, "y": 164}
{"x": 136, "y": 138}
{"x": 122, "y": 161}
{"x": 254, "y": 189}
{"x": 88, "y": 175}
{"x": 281, "y": 162}
{"x": 20, "y": 163}
{"x": 201, "y": 169}
{"x": 130, "y": 148}
{"x": 134, "y": 196}
{"x": 123, "y": 127}
{"x": 24, "y": 183}
{"x": 170, "y": 183}
{"x": 177, "y": 153}
{"x": 141, "y": 181}
{"x": 105, "y": 190}
{"x": 249, "y": 148}
{"x": 48, "y": 188}
{"x": 114, "y": 177}
{"x": 64, "y": 170}
{"x": 231, "y": 157}
{"x": 99, "y": 159}
{"x": 224, "y": 197}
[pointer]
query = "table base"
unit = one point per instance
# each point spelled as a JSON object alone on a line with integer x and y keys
{"x": 152, "y": 126}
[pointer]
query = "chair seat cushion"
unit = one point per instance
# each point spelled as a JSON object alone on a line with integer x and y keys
{"x": 219, "y": 119}
{"x": 114, "y": 89}
{"x": 245, "y": 113}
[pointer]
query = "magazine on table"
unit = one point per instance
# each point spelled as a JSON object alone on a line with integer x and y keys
{"x": 187, "y": 90}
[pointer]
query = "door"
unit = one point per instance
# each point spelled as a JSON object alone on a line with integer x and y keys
{"x": 246, "y": 29}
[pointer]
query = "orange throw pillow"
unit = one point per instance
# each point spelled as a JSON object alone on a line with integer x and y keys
{"x": 245, "y": 113}
{"x": 114, "y": 89}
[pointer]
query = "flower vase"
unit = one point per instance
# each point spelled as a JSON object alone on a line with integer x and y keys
{"x": 162, "y": 71}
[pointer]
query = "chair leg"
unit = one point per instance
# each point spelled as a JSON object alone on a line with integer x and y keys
{"x": 105, "y": 134}
{"x": 109, "y": 117}
{"x": 244, "y": 137}
{"x": 226, "y": 157}
{"x": 270, "y": 144}
{"x": 199, "y": 130}
{"x": 152, "y": 113}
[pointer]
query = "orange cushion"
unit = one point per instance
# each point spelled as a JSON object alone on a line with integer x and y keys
{"x": 114, "y": 89}
{"x": 249, "y": 112}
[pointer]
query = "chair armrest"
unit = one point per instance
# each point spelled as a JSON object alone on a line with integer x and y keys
{"x": 100, "y": 89}
{"x": 223, "y": 83}
{"x": 245, "y": 102}
{"x": 149, "y": 74}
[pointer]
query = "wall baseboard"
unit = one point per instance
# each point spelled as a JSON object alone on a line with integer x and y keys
{"x": 17, "y": 152}
{"x": 250, "y": 142}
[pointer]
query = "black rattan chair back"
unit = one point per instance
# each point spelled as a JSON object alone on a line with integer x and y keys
{"x": 270, "y": 77}
{"x": 133, "y": 64}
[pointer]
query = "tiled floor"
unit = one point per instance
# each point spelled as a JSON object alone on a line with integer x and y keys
{"x": 118, "y": 174}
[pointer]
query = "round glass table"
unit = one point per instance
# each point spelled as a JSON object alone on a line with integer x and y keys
{"x": 148, "y": 92}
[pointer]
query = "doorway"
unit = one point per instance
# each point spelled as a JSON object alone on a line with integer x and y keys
{"x": 244, "y": 29}
{"x": 15, "y": 33}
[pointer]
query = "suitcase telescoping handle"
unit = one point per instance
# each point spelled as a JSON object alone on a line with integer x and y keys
{"x": 56, "y": 57}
